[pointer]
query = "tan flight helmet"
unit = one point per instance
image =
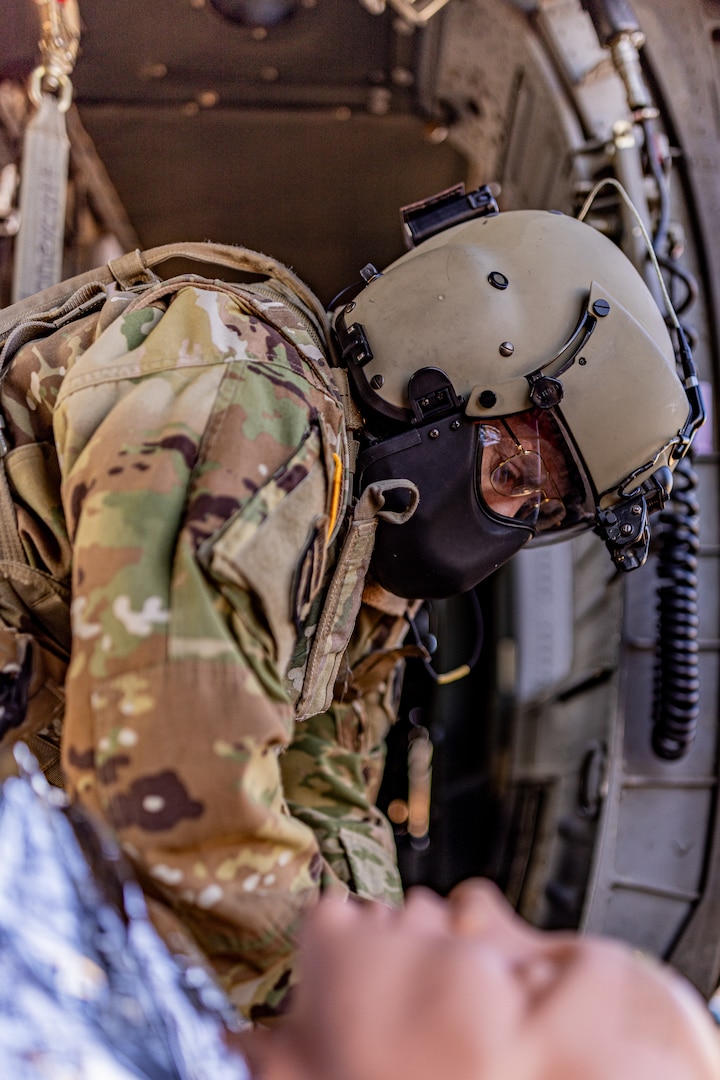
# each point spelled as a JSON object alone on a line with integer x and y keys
{"x": 514, "y": 341}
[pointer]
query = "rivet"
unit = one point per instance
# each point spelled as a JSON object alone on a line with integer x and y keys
{"x": 402, "y": 76}
{"x": 377, "y": 382}
{"x": 434, "y": 433}
{"x": 153, "y": 71}
{"x": 636, "y": 509}
{"x": 208, "y": 99}
{"x": 626, "y": 529}
{"x": 498, "y": 280}
{"x": 601, "y": 308}
{"x": 582, "y": 361}
{"x": 487, "y": 399}
{"x": 507, "y": 348}
{"x": 455, "y": 425}
{"x": 424, "y": 402}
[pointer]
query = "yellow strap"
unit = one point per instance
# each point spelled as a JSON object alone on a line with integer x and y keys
{"x": 335, "y": 494}
{"x": 453, "y": 676}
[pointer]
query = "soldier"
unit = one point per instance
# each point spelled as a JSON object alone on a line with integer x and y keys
{"x": 241, "y": 520}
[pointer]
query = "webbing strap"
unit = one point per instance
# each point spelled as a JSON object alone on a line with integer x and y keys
{"x": 353, "y": 416}
{"x": 344, "y": 595}
{"x": 39, "y": 244}
{"x": 11, "y": 550}
{"x": 137, "y": 266}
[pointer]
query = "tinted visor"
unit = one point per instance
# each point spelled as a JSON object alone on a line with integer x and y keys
{"x": 526, "y": 472}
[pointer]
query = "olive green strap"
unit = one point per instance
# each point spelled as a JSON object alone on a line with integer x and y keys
{"x": 11, "y": 550}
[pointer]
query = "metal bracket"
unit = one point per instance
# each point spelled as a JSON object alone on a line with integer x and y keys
{"x": 432, "y": 394}
{"x": 453, "y": 206}
{"x": 624, "y": 528}
{"x": 354, "y": 344}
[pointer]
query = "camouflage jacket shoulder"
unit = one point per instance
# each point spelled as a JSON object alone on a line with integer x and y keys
{"x": 194, "y": 495}
{"x": 255, "y": 323}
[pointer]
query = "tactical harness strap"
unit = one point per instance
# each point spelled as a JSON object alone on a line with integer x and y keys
{"x": 344, "y": 596}
{"x": 136, "y": 267}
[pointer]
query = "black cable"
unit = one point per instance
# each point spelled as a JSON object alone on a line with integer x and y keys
{"x": 663, "y": 215}
{"x": 464, "y": 669}
{"x": 676, "y": 705}
{"x": 689, "y": 281}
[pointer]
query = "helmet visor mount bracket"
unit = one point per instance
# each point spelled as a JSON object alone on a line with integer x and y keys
{"x": 545, "y": 388}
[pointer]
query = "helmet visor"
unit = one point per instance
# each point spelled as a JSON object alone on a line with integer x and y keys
{"x": 528, "y": 473}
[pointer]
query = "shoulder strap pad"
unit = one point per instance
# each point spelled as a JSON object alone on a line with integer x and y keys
{"x": 136, "y": 267}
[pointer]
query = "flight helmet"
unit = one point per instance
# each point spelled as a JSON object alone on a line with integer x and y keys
{"x": 514, "y": 369}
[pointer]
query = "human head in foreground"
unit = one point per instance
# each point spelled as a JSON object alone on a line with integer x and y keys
{"x": 518, "y": 384}
{"x": 464, "y": 988}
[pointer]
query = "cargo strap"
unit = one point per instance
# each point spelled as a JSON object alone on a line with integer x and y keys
{"x": 39, "y": 244}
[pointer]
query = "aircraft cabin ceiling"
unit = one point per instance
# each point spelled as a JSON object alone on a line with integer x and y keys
{"x": 300, "y": 139}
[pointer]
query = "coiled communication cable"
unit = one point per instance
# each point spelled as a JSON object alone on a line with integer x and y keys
{"x": 676, "y": 691}
{"x": 676, "y": 684}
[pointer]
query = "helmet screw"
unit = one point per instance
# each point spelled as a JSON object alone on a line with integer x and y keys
{"x": 377, "y": 382}
{"x": 487, "y": 399}
{"x": 424, "y": 402}
{"x": 582, "y": 361}
{"x": 507, "y": 348}
{"x": 626, "y": 529}
{"x": 601, "y": 308}
{"x": 455, "y": 425}
{"x": 350, "y": 307}
{"x": 636, "y": 509}
{"x": 434, "y": 433}
{"x": 498, "y": 280}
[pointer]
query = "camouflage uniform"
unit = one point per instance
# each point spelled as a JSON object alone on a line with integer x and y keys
{"x": 180, "y": 461}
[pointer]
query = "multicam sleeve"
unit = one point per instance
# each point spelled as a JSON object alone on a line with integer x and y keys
{"x": 333, "y": 769}
{"x": 194, "y": 453}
